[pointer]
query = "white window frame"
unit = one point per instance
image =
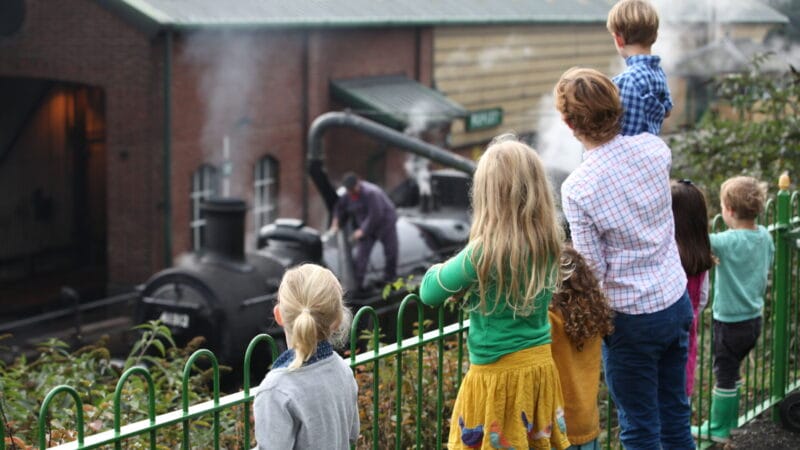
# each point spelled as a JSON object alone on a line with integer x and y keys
{"x": 265, "y": 190}
{"x": 204, "y": 186}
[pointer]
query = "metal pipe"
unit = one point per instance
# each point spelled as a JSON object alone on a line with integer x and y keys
{"x": 375, "y": 130}
{"x": 384, "y": 134}
{"x": 316, "y": 167}
{"x": 167, "y": 157}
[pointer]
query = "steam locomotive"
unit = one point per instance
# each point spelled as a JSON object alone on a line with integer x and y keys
{"x": 225, "y": 294}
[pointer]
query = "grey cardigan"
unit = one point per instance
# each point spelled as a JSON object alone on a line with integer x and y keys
{"x": 314, "y": 406}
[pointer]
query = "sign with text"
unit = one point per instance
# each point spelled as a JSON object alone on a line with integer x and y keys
{"x": 484, "y": 118}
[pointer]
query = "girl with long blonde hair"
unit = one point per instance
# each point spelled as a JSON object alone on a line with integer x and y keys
{"x": 510, "y": 396}
{"x": 310, "y": 395}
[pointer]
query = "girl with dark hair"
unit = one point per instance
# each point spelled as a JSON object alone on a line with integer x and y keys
{"x": 691, "y": 234}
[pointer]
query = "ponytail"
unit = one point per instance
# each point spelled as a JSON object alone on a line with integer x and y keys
{"x": 303, "y": 337}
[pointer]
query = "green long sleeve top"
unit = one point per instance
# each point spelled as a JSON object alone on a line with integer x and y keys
{"x": 496, "y": 332}
{"x": 745, "y": 257}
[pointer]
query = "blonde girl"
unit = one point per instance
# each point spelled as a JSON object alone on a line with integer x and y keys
{"x": 510, "y": 396}
{"x": 310, "y": 396}
{"x": 580, "y": 317}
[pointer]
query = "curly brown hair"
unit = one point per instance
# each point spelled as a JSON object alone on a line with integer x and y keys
{"x": 580, "y": 301}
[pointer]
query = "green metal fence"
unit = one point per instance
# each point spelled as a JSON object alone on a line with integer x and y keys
{"x": 407, "y": 388}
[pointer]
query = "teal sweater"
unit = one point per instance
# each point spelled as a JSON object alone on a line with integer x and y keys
{"x": 495, "y": 333}
{"x": 745, "y": 257}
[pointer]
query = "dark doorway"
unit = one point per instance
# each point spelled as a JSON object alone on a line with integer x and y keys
{"x": 52, "y": 193}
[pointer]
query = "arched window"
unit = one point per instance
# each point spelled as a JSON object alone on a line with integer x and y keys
{"x": 204, "y": 185}
{"x": 265, "y": 205}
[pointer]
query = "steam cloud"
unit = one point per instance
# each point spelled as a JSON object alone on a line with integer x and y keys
{"x": 229, "y": 81}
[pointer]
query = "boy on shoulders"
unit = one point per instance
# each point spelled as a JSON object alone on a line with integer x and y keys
{"x": 642, "y": 86}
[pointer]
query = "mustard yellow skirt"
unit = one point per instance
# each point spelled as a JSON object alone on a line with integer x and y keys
{"x": 513, "y": 403}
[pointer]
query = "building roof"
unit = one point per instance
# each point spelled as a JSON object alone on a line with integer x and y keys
{"x": 396, "y": 101}
{"x": 197, "y": 14}
{"x": 730, "y": 56}
{"x": 722, "y": 11}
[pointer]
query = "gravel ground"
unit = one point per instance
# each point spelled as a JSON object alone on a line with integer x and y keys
{"x": 763, "y": 433}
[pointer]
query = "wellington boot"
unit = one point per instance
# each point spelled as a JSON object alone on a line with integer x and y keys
{"x": 724, "y": 415}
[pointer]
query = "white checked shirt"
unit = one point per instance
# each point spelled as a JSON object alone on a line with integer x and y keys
{"x": 619, "y": 208}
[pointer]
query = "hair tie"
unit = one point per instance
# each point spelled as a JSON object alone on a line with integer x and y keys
{"x": 305, "y": 311}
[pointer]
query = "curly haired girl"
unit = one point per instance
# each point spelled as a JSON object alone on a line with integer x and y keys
{"x": 579, "y": 317}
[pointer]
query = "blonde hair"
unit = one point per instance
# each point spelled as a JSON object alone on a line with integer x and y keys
{"x": 589, "y": 102}
{"x": 514, "y": 225}
{"x": 635, "y": 20}
{"x": 310, "y": 300}
{"x": 745, "y": 196}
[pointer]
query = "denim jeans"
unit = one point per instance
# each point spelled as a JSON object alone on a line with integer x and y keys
{"x": 645, "y": 370}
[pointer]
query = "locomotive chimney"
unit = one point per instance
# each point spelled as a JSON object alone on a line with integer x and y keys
{"x": 224, "y": 234}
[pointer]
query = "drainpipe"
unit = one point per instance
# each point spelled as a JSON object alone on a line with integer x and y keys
{"x": 167, "y": 162}
{"x": 304, "y": 113}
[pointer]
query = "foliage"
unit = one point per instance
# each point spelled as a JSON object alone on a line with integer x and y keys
{"x": 387, "y": 391}
{"x": 90, "y": 370}
{"x": 753, "y": 129}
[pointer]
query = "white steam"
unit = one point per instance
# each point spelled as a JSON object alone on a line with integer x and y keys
{"x": 229, "y": 81}
{"x": 556, "y": 144}
{"x": 416, "y": 166}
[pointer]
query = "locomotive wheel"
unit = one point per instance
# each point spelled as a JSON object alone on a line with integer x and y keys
{"x": 790, "y": 412}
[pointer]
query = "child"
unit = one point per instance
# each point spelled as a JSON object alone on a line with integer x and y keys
{"x": 745, "y": 253}
{"x": 618, "y": 206}
{"x": 510, "y": 396}
{"x": 691, "y": 235}
{"x": 310, "y": 396}
{"x": 579, "y": 318}
{"x": 643, "y": 85}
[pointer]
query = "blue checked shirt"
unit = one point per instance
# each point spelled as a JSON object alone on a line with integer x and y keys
{"x": 645, "y": 95}
{"x": 619, "y": 208}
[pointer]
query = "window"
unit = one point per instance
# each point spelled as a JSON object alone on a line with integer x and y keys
{"x": 265, "y": 206}
{"x": 204, "y": 186}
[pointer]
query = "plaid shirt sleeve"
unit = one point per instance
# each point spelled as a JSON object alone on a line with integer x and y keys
{"x": 633, "y": 119}
{"x": 585, "y": 235}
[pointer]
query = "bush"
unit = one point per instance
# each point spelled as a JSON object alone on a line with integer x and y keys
{"x": 387, "y": 391}
{"x": 24, "y": 385}
{"x": 753, "y": 129}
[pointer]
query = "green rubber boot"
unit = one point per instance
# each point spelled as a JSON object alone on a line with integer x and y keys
{"x": 724, "y": 416}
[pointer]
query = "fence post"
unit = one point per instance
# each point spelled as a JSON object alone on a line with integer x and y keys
{"x": 781, "y": 297}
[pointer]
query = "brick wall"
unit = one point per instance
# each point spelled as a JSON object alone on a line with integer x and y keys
{"x": 261, "y": 89}
{"x": 78, "y": 41}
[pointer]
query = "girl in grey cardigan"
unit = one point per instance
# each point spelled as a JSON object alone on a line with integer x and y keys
{"x": 309, "y": 398}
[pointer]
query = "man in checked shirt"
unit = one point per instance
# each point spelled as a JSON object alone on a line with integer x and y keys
{"x": 619, "y": 208}
{"x": 643, "y": 85}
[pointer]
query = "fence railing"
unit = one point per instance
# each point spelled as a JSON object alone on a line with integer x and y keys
{"x": 405, "y": 386}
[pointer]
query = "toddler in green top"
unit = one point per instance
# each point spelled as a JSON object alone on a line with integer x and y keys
{"x": 511, "y": 395}
{"x": 745, "y": 253}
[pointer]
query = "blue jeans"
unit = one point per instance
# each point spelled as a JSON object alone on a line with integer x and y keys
{"x": 645, "y": 370}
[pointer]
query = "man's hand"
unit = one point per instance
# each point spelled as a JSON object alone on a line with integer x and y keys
{"x": 358, "y": 234}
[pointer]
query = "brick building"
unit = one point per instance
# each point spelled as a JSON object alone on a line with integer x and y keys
{"x": 119, "y": 116}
